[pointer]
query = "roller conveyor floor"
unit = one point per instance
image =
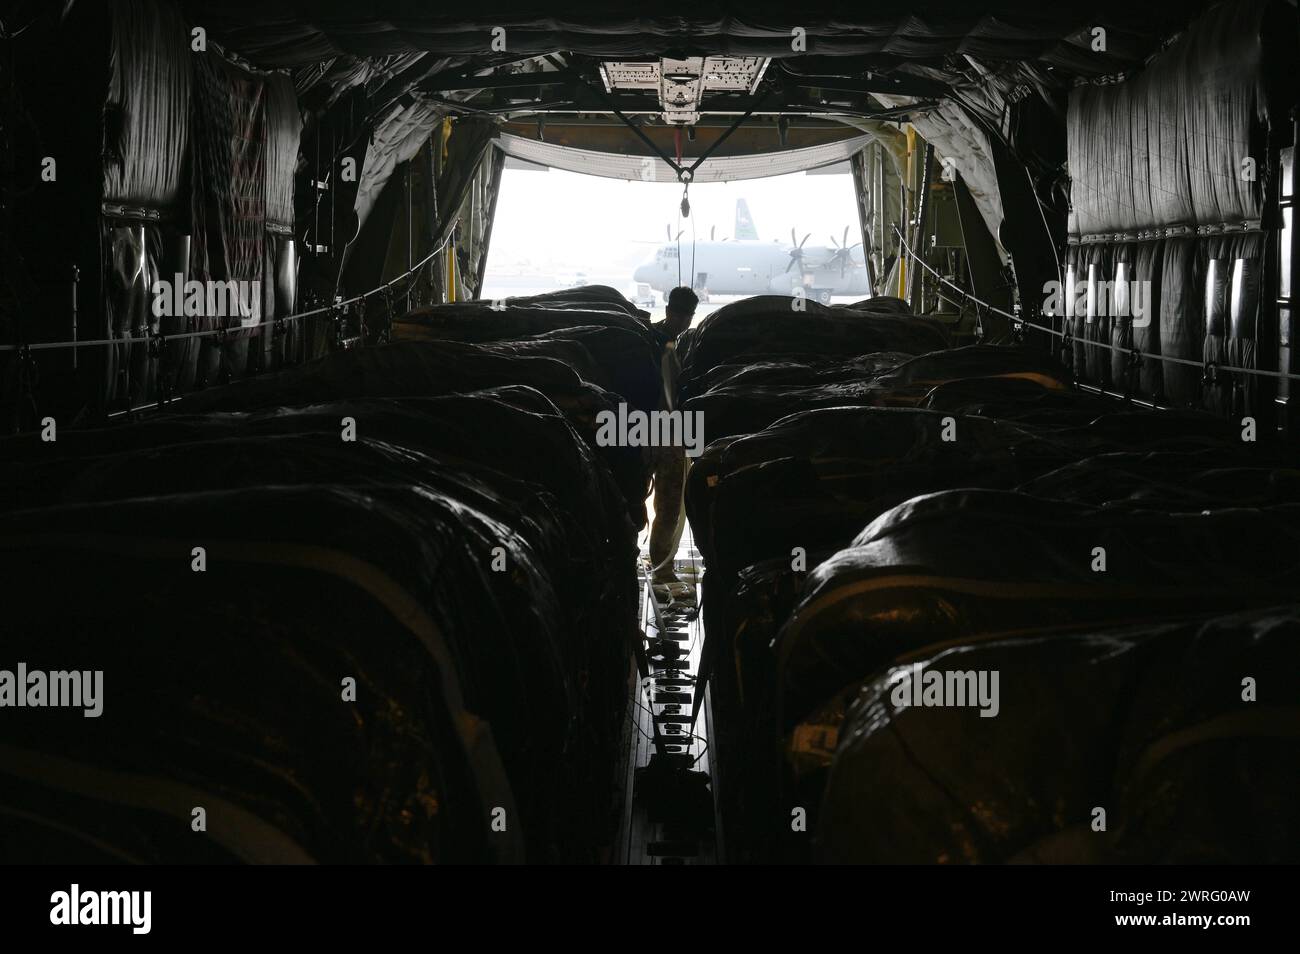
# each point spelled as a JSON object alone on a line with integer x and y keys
{"x": 670, "y": 813}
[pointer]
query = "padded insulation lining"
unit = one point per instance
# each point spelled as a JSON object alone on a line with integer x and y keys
{"x": 146, "y": 111}
{"x": 1167, "y": 148}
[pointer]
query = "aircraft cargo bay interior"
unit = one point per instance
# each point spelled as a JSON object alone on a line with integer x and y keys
{"x": 739, "y": 434}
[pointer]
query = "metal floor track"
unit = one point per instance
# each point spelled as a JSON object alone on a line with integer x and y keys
{"x": 670, "y": 812}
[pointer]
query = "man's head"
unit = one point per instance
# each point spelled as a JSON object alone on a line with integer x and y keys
{"x": 679, "y": 310}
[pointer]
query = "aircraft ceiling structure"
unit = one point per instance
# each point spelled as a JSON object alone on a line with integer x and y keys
{"x": 990, "y": 85}
{"x": 710, "y": 59}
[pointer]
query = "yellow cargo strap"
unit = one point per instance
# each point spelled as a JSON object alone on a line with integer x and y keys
{"x": 453, "y": 286}
{"x": 446, "y": 136}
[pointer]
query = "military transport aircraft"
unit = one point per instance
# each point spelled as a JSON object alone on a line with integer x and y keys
{"x": 747, "y": 266}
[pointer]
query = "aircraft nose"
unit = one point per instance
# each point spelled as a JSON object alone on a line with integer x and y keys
{"x": 642, "y": 274}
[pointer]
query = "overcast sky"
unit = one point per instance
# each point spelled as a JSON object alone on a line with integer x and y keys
{"x": 559, "y": 220}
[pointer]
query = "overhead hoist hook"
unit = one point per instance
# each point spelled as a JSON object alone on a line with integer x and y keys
{"x": 684, "y": 175}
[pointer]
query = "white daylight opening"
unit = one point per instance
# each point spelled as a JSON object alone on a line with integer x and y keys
{"x": 556, "y": 229}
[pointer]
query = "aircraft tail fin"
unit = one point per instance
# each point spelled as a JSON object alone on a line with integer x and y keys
{"x": 744, "y": 223}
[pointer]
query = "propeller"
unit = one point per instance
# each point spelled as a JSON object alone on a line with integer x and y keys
{"x": 843, "y": 252}
{"x": 712, "y": 229}
{"x": 796, "y": 253}
{"x": 668, "y": 229}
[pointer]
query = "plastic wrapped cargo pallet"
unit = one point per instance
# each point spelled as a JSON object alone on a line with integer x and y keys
{"x": 952, "y": 566}
{"x": 548, "y": 669}
{"x": 770, "y": 325}
{"x": 1151, "y": 725}
{"x": 222, "y": 689}
{"x": 424, "y": 369}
